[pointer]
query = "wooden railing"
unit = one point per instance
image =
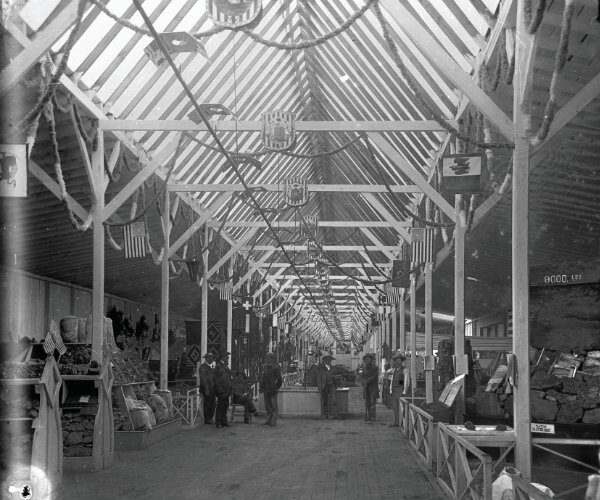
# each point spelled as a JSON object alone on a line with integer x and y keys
{"x": 421, "y": 434}
{"x": 524, "y": 490}
{"x": 187, "y": 404}
{"x": 463, "y": 470}
{"x": 403, "y": 416}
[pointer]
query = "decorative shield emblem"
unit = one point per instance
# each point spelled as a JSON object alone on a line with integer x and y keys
{"x": 296, "y": 192}
{"x": 175, "y": 43}
{"x": 462, "y": 173}
{"x": 310, "y": 226}
{"x": 233, "y": 13}
{"x": 278, "y": 131}
{"x": 13, "y": 174}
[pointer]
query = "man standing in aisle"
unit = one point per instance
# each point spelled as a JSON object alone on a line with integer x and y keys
{"x": 326, "y": 385}
{"x": 270, "y": 383}
{"x": 397, "y": 388}
{"x": 206, "y": 375}
{"x": 223, "y": 380}
{"x": 369, "y": 381}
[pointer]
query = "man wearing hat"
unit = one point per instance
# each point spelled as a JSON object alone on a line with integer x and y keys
{"x": 327, "y": 386}
{"x": 397, "y": 385}
{"x": 369, "y": 381}
{"x": 270, "y": 383}
{"x": 223, "y": 380}
{"x": 206, "y": 375}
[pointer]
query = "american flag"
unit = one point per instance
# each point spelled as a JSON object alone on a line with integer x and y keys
{"x": 49, "y": 344}
{"x": 394, "y": 294}
{"x": 134, "y": 239}
{"x": 60, "y": 346}
{"x": 422, "y": 244}
{"x": 225, "y": 290}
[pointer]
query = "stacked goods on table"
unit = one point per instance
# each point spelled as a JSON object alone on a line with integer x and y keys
{"x": 139, "y": 407}
{"x": 565, "y": 388}
{"x": 24, "y": 369}
{"x": 76, "y": 361}
{"x": 128, "y": 367}
{"x": 78, "y": 434}
{"x": 121, "y": 419}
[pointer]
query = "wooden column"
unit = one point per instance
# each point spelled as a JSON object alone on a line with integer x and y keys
{"x": 164, "y": 300}
{"x": 98, "y": 251}
{"x": 230, "y": 329}
{"x": 428, "y": 333}
{"x": 394, "y": 328}
{"x": 413, "y": 335}
{"x": 204, "y": 323}
{"x": 524, "y": 52}
{"x": 460, "y": 361}
{"x": 402, "y": 324}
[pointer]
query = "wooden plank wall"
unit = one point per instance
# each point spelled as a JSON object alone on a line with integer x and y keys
{"x": 29, "y": 302}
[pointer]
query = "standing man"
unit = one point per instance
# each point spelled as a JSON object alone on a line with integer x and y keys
{"x": 369, "y": 381}
{"x": 270, "y": 383}
{"x": 206, "y": 376}
{"x": 223, "y": 381}
{"x": 327, "y": 386}
{"x": 397, "y": 388}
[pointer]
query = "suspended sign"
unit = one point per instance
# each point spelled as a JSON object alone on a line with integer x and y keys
{"x": 400, "y": 274}
{"x": 296, "y": 192}
{"x": 13, "y": 176}
{"x": 462, "y": 173}
{"x": 278, "y": 131}
{"x": 233, "y": 13}
{"x": 175, "y": 43}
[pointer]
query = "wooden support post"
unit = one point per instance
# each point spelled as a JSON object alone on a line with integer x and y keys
{"x": 394, "y": 328}
{"x": 524, "y": 52}
{"x": 164, "y": 300}
{"x": 98, "y": 253}
{"x": 460, "y": 364}
{"x": 413, "y": 336}
{"x": 428, "y": 333}
{"x": 230, "y": 329}
{"x": 402, "y": 324}
{"x": 204, "y": 304}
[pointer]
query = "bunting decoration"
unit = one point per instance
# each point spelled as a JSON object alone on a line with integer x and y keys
{"x": 422, "y": 244}
{"x": 175, "y": 43}
{"x": 296, "y": 192}
{"x": 134, "y": 240}
{"x": 233, "y": 13}
{"x": 462, "y": 173}
{"x": 278, "y": 130}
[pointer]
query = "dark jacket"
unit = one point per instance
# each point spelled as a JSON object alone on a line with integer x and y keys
{"x": 398, "y": 380}
{"x": 223, "y": 380}
{"x": 370, "y": 376}
{"x": 270, "y": 380}
{"x": 325, "y": 379}
{"x": 207, "y": 379}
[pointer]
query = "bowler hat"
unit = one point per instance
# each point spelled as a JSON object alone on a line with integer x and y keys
{"x": 209, "y": 354}
{"x": 328, "y": 357}
{"x": 368, "y": 356}
{"x": 399, "y": 355}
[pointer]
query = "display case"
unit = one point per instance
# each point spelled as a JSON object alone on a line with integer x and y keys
{"x": 87, "y": 423}
{"x": 141, "y": 415}
{"x": 31, "y": 435}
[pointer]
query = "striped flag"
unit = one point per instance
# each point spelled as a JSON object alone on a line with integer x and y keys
{"x": 394, "y": 294}
{"x": 134, "y": 239}
{"x": 422, "y": 244}
{"x": 60, "y": 346}
{"x": 49, "y": 344}
{"x": 225, "y": 290}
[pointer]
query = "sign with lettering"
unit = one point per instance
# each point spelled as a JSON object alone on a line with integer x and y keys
{"x": 565, "y": 273}
{"x": 542, "y": 428}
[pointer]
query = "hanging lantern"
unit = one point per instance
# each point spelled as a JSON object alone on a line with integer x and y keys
{"x": 13, "y": 175}
{"x": 233, "y": 13}
{"x": 278, "y": 131}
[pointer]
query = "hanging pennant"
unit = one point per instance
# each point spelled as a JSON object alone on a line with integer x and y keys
{"x": 278, "y": 132}
{"x": 13, "y": 175}
{"x": 296, "y": 192}
{"x": 175, "y": 43}
{"x": 462, "y": 173}
{"x": 233, "y": 13}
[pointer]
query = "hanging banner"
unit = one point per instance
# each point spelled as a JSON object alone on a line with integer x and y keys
{"x": 13, "y": 176}
{"x": 309, "y": 226}
{"x": 296, "y": 192}
{"x": 175, "y": 43}
{"x": 462, "y": 173}
{"x": 233, "y": 13}
{"x": 400, "y": 274}
{"x": 278, "y": 131}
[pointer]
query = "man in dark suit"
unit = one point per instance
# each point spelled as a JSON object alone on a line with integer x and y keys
{"x": 327, "y": 386}
{"x": 223, "y": 382}
{"x": 369, "y": 380}
{"x": 206, "y": 375}
{"x": 397, "y": 386}
{"x": 270, "y": 383}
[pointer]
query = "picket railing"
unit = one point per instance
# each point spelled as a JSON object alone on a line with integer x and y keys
{"x": 463, "y": 470}
{"x": 403, "y": 416}
{"x": 422, "y": 434}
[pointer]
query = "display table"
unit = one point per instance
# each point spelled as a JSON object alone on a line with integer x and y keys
{"x": 297, "y": 401}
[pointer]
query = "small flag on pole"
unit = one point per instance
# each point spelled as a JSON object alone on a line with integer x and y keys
{"x": 60, "y": 346}
{"x": 134, "y": 239}
{"x": 226, "y": 290}
{"x": 422, "y": 244}
{"x": 49, "y": 344}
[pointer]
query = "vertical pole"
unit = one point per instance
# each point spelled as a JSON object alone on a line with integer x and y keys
{"x": 524, "y": 54}
{"x": 413, "y": 335}
{"x": 230, "y": 334}
{"x": 394, "y": 328}
{"x": 402, "y": 324}
{"x": 164, "y": 300}
{"x": 204, "y": 323}
{"x": 461, "y": 365}
{"x": 428, "y": 333}
{"x": 98, "y": 252}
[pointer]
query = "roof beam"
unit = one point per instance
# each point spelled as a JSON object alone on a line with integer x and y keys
{"x": 253, "y": 267}
{"x": 239, "y": 243}
{"x": 33, "y": 51}
{"x": 322, "y": 223}
{"x": 385, "y": 213}
{"x": 256, "y": 126}
{"x": 444, "y": 62}
{"x": 377, "y": 243}
{"x": 312, "y": 188}
{"x": 327, "y": 248}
